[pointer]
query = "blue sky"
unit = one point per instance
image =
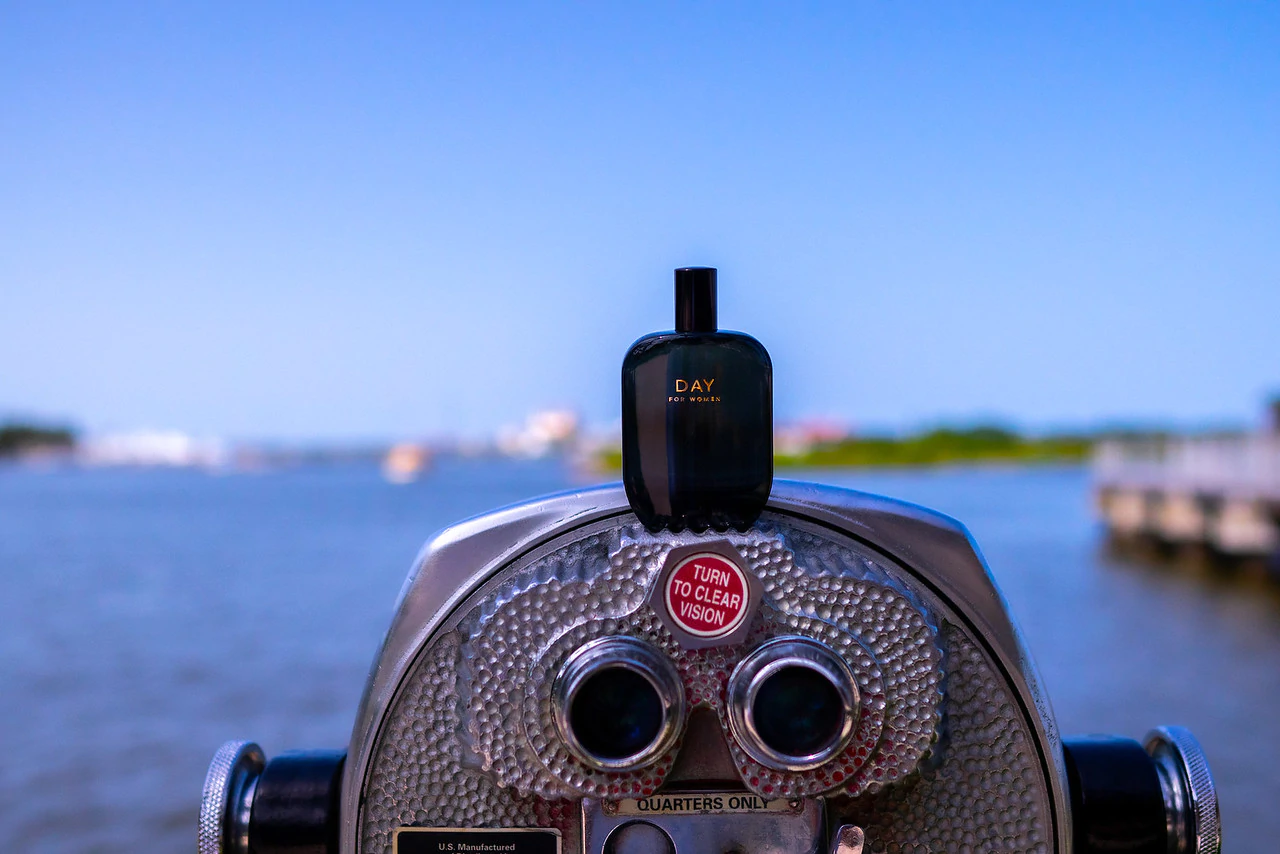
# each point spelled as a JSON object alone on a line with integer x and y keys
{"x": 299, "y": 221}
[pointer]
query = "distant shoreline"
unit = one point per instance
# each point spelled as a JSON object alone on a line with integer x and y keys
{"x": 970, "y": 465}
{"x": 612, "y": 463}
{"x": 977, "y": 447}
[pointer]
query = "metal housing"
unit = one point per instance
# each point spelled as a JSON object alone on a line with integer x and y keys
{"x": 934, "y": 550}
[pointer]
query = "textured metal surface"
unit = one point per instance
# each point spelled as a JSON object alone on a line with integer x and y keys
{"x": 428, "y": 768}
{"x": 1197, "y": 798}
{"x": 987, "y": 791}
{"x": 421, "y": 777}
{"x": 859, "y": 608}
{"x": 234, "y": 766}
{"x": 472, "y": 741}
{"x": 450, "y": 567}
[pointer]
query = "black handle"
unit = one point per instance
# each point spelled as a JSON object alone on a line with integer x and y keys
{"x": 295, "y": 805}
{"x": 1117, "y": 803}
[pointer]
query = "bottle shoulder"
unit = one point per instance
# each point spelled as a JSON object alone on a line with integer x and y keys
{"x": 662, "y": 343}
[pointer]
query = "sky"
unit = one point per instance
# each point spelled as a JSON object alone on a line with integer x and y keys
{"x": 306, "y": 221}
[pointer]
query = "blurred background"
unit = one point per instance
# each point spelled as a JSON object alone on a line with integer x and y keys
{"x": 284, "y": 288}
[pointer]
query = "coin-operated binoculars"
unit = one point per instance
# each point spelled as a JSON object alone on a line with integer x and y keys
{"x": 702, "y": 662}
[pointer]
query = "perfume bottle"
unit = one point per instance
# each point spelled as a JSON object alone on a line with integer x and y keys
{"x": 697, "y": 419}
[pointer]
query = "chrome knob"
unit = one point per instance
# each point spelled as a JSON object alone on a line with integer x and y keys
{"x": 1190, "y": 799}
{"x": 227, "y": 799}
{"x": 849, "y": 840}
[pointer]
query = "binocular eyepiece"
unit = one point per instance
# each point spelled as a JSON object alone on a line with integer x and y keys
{"x": 792, "y": 704}
{"x": 618, "y": 703}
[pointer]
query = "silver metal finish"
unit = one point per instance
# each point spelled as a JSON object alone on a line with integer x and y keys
{"x": 704, "y": 757}
{"x": 886, "y": 584}
{"x": 1190, "y": 798}
{"x": 798, "y": 830}
{"x": 767, "y": 660}
{"x": 451, "y": 565}
{"x": 631, "y": 654}
{"x": 227, "y": 799}
{"x": 477, "y": 710}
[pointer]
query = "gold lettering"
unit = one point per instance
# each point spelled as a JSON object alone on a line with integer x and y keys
{"x": 709, "y": 382}
{"x": 697, "y": 386}
{"x": 682, "y": 385}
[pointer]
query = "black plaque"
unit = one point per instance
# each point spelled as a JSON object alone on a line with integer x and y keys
{"x": 477, "y": 840}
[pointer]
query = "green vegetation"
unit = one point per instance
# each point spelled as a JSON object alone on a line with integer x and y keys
{"x": 937, "y": 447}
{"x": 608, "y": 460}
{"x": 16, "y": 439}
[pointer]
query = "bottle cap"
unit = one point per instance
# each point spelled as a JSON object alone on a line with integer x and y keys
{"x": 696, "y": 299}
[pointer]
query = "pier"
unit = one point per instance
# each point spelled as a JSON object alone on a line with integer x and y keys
{"x": 1205, "y": 499}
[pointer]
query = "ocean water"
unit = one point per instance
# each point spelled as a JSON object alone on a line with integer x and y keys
{"x": 148, "y": 616}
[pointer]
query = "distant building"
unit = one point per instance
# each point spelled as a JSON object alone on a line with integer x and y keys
{"x": 152, "y": 448}
{"x": 800, "y": 437}
{"x": 543, "y": 433}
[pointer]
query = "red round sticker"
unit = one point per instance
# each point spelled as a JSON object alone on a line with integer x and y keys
{"x": 706, "y": 595}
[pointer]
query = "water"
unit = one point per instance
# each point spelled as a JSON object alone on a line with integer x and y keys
{"x": 147, "y": 616}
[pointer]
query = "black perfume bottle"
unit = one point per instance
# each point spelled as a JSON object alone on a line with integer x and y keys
{"x": 697, "y": 419}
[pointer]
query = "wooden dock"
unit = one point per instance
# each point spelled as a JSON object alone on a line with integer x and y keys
{"x": 1216, "y": 499}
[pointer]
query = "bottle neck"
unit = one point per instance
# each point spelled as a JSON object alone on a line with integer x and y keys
{"x": 696, "y": 299}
